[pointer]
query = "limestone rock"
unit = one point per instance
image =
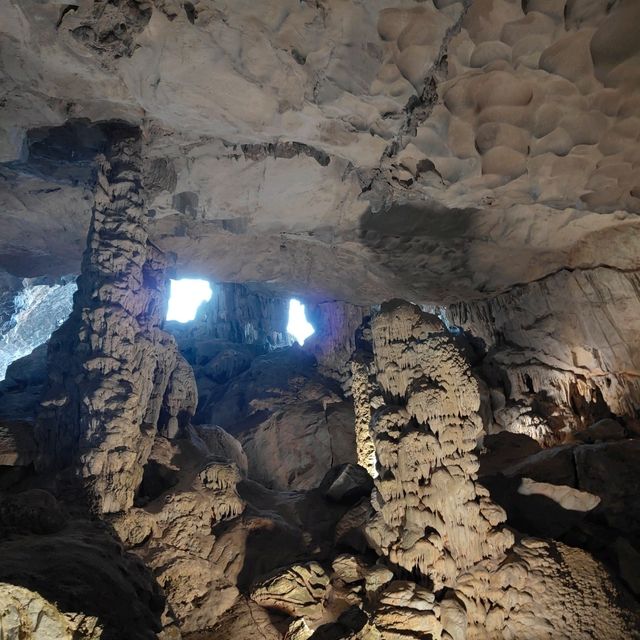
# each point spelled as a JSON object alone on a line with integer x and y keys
{"x": 113, "y": 373}
{"x": 222, "y": 445}
{"x": 601, "y": 431}
{"x": 299, "y": 590}
{"x": 78, "y": 576}
{"x": 580, "y": 360}
{"x": 346, "y": 483}
{"x": 242, "y": 622}
{"x": 566, "y": 497}
{"x": 351, "y": 569}
{"x": 17, "y": 445}
{"x": 407, "y": 610}
{"x": 25, "y": 614}
{"x": 430, "y": 514}
{"x": 458, "y": 139}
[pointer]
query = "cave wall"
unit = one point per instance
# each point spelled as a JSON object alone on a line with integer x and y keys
{"x": 569, "y": 340}
{"x": 236, "y": 313}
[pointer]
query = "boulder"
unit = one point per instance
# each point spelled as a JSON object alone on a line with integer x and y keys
{"x": 299, "y": 590}
{"x": 605, "y": 430}
{"x": 346, "y": 483}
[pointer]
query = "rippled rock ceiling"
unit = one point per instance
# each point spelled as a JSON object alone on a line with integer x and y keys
{"x": 438, "y": 150}
{"x": 452, "y": 187}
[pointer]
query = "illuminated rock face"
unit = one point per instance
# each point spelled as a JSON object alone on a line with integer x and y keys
{"x": 431, "y": 515}
{"x": 115, "y": 377}
{"x": 570, "y": 340}
{"x": 36, "y": 310}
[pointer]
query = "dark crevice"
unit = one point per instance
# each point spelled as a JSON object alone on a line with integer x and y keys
{"x": 65, "y": 10}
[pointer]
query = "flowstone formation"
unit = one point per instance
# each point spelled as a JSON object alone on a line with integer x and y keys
{"x": 434, "y": 519}
{"x": 115, "y": 377}
{"x": 431, "y": 516}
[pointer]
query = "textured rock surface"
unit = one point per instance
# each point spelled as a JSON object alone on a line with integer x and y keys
{"x": 25, "y": 614}
{"x": 569, "y": 341}
{"x": 114, "y": 375}
{"x": 38, "y": 310}
{"x": 293, "y": 422}
{"x": 418, "y": 147}
{"x": 432, "y": 516}
{"x": 477, "y": 154}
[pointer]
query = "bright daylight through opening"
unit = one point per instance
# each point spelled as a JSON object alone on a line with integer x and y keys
{"x": 185, "y": 298}
{"x": 299, "y": 327}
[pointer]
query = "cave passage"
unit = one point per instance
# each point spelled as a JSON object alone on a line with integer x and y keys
{"x": 299, "y": 327}
{"x": 186, "y": 296}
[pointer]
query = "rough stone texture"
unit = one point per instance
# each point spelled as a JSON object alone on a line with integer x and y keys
{"x": 172, "y": 530}
{"x": 237, "y": 314}
{"x": 362, "y": 394}
{"x": 295, "y": 446}
{"x": 114, "y": 376}
{"x": 298, "y": 591}
{"x": 358, "y": 151}
{"x": 569, "y": 340}
{"x": 481, "y": 153}
{"x": 39, "y": 308}
{"x": 337, "y": 325}
{"x": 25, "y": 614}
{"x": 294, "y": 423}
{"x": 431, "y": 516}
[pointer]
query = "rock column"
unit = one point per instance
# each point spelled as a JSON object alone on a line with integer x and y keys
{"x": 110, "y": 364}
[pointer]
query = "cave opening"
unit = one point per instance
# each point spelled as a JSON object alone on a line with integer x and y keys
{"x": 185, "y": 297}
{"x": 299, "y": 327}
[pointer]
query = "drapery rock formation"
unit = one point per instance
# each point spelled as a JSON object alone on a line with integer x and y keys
{"x": 432, "y": 515}
{"x": 115, "y": 378}
{"x": 566, "y": 345}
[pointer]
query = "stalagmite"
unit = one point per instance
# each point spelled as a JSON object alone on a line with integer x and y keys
{"x": 431, "y": 515}
{"x": 434, "y": 517}
{"x": 365, "y": 448}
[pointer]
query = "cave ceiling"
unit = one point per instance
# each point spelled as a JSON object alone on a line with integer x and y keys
{"x": 434, "y": 150}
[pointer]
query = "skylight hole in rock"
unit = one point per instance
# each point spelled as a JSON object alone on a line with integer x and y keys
{"x": 299, "y": 327}
{"x": 185, "y": 297}
{"x": 38, "y": 310}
